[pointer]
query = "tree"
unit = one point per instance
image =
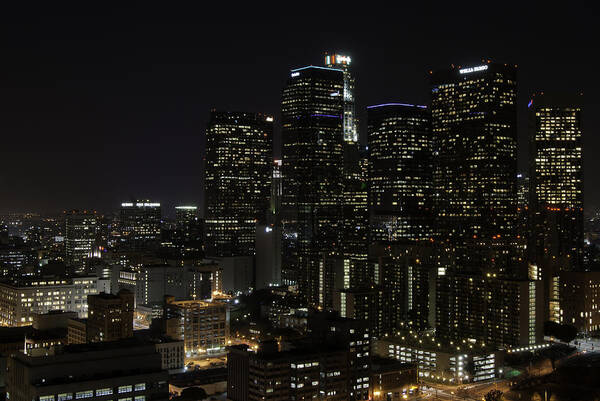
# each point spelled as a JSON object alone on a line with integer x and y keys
{"x": 564, "y": 332}
{"x": 493, "y": 395}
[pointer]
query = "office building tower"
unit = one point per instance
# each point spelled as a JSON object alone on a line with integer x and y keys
{"x": 126, "y": 369}
{"x": 556, "y": 191}
{"x": 185, "y": 215}
{"x": 473, "y": 115}
{"x": 140, "y": 222}
{"x": 400, "y": 172}
{"x": 21, "y": 300}
{"x": 203, "y": 326}
{"x": 81, "y": 229}
{"x": 188, "y": 227}
{"x": 350, "y": 120}
{"x": 110, "y": 317}
{"x": 237, "y": 180}
{"x": 17, "y": 259}
{"x": 312, "y": 136}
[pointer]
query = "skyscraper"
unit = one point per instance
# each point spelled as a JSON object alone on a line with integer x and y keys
{"x": 81, "y": 230}
{"x": 400, "y": 172}
{"x": 556, "y": 190}
{"x": 237, "y": 180}
{"x": 189, "y": 227}
{"x": 473, "y": 114}
{"x": 140, "y": 223}
{"x": 185, "y": 215}
{"x": 313, "y": 167}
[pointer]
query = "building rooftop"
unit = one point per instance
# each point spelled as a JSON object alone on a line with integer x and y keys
{"x": 428, "y": 342}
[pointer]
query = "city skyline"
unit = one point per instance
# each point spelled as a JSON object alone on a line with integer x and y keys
{"x": 142, "y": 96}
{"x": 332, "y": 203}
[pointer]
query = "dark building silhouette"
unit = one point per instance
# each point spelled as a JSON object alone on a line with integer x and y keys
{"x": 400, "y": 172}
{"x": 81, "y": 229}
{"x": 110, "y": 317}
{"x": 473, "y": 115}
{"x": 556, "y": 191}
{"x": 140, "y": 224}
{"x": 313, "y": 168}
{"x": 237, "y": 180}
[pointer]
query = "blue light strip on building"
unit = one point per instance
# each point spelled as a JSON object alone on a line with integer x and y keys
{"x": 325, "y": 115}
{"x": 397, "y": 104}
{"x": 321, "y": 68}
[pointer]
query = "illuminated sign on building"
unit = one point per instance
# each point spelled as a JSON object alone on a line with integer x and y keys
{"x": 473, "y": 69}
{"x": 337, "y": 59}
{"x": 295, "y": 74}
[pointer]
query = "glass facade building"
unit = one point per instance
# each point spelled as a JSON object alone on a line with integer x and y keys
{"x": 556, "y": 192}
{"x": 400, "y": 172}
{"x": 237, "y": 180}
{"x": 473, "y": 114}
{"x": 313, "y": 168}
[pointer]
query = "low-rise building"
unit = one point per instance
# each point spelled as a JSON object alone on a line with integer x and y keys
{"x": 453, "y": 363}
{"x": 580, "y": 300}
{"x": 203, "y": 326}
{"x": 21, "y": 300}
{"x": 77, "y": 331}
{"x": 127, "y": 369}
{"x": 110, "y": 317}
{"x": 299, "y": 374}
{"x": 392, "y": 379}
{"x": 213, "y": 381}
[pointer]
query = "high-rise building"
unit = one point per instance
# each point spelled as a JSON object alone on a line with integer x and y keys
{"x": 237, "y": 180}
{"x": 313, "y": 167}
{"x": 406, "y": 274}
{"x": 80, "y": 237}
{"x": 350, "y": 120}
{"x": 185, "y": 215}
{"x": 556, "y": 191}
{"x": 140, "y": 224}
{"x": 504, "y": 313}
{"x": 400, "y": 172}
{"x": 473, "y": 114}
{"x": 188, "y": 224}
{"x": 110, "y": 317}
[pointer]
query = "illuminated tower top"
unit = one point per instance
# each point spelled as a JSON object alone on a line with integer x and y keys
{"x": 342, "y": 62}
{"x": 337, "y": 61}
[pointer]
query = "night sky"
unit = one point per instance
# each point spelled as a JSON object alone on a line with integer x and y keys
{"x": 100, "y": 104}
